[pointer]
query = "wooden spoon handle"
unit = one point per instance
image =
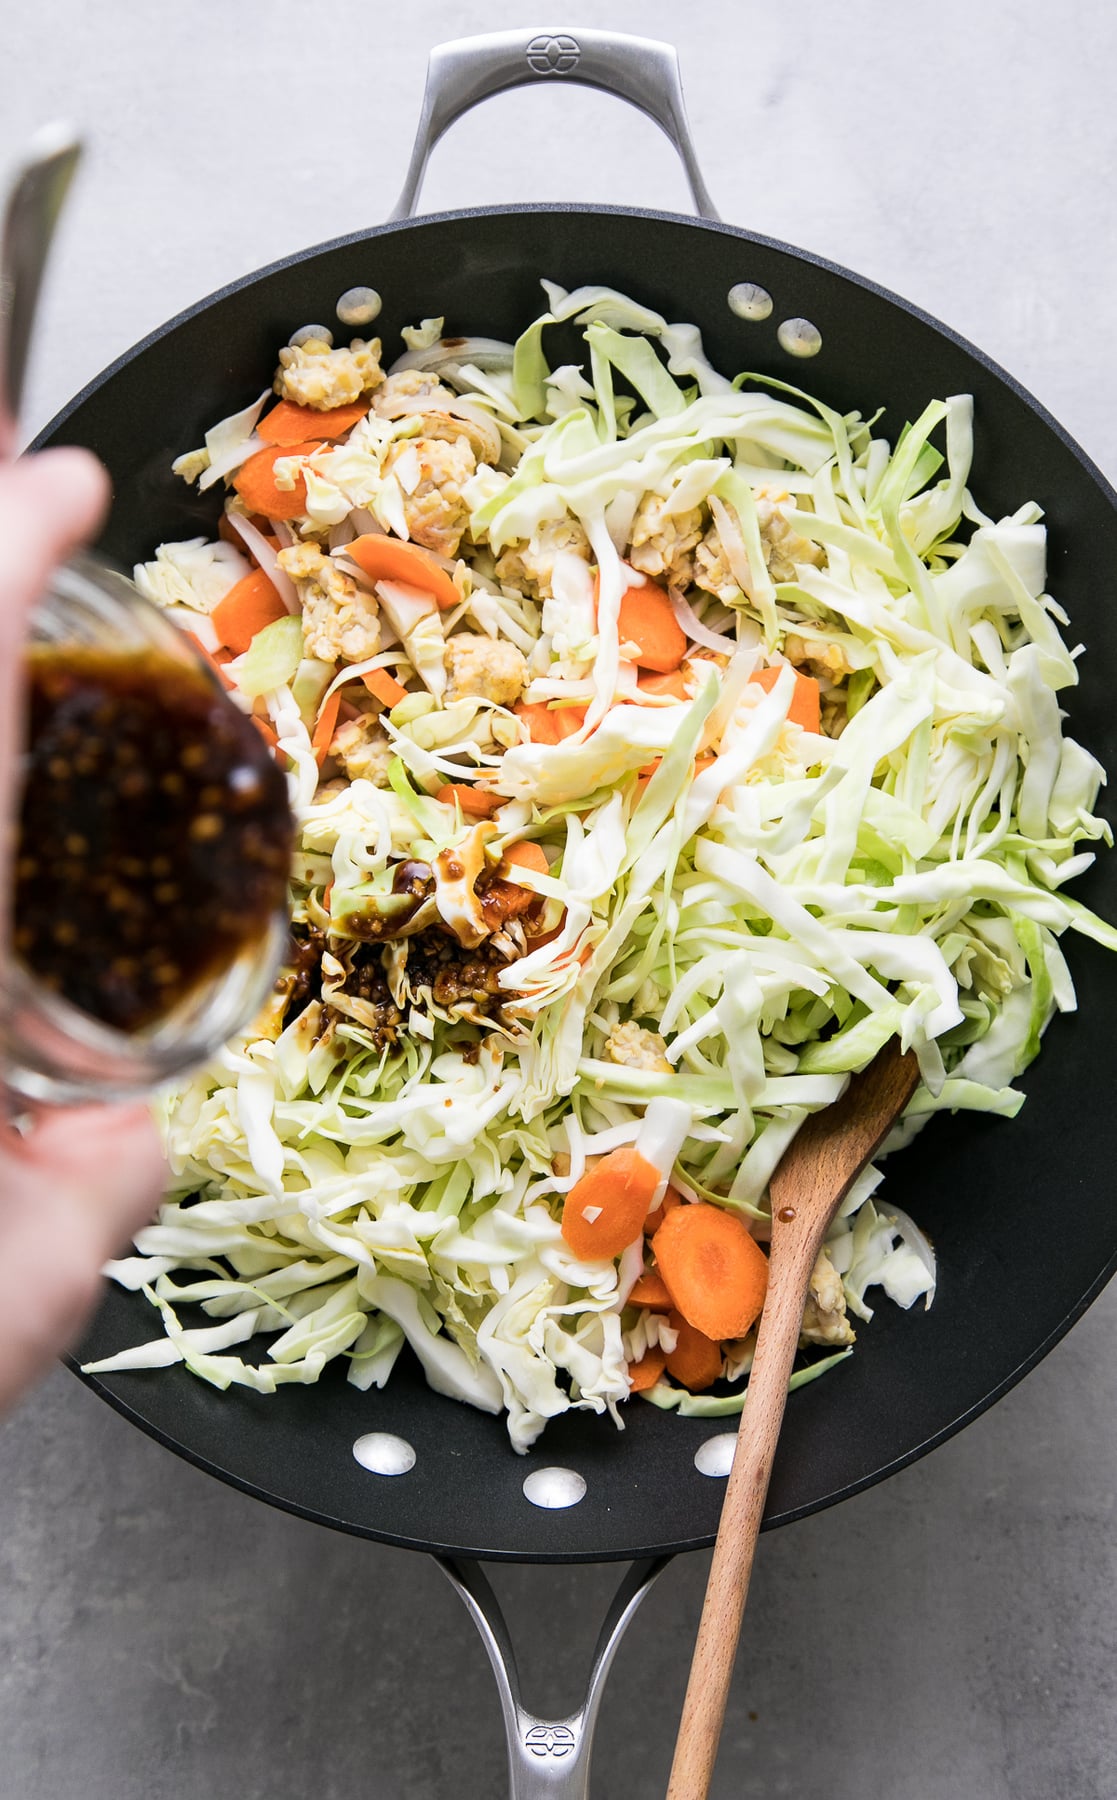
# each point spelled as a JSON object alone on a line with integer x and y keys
{"x": 731, "y": 1569}
{"x": 824, "y": 1160}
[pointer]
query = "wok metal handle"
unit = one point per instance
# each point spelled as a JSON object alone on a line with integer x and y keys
{"x": 640, "y": 70}
{"x": 548, "y": 1759}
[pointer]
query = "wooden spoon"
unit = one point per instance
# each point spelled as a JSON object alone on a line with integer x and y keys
{"x": 823, "y": 1160}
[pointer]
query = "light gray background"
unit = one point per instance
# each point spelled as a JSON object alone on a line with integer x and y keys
{"x": 949, "y": 1636}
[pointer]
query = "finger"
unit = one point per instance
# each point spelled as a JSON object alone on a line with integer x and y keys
{"x": 67, "y": 1203}
{"x": 111, "y": 1155}
{"x": 49, "y": 504}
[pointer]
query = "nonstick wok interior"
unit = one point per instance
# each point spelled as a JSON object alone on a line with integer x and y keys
{"x": 1019, "y": 1211}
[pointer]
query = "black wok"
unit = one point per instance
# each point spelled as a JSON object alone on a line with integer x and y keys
{"x": 1020, "y": 1211}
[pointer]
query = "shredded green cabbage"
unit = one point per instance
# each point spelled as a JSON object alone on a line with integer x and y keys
{"x": 738, "y": 910}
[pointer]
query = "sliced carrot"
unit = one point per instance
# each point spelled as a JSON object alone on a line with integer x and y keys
{"x": 503, "y": 900}
{"x": 696, "y": 1359}
{"x": 255, "y": 482}
{"x": 474, "y": 802}
{"x": 289, "y": 424}
{"x": 550, "y": 724}
{"x": 715, "y": 1271}
{"x": 646, "y": 620}
{"x": 671, "y": 1199}
{"x": 385, "y": 558}
{"x": 385, "y": 687}
{"x": 644, "y": 1374}
{"x": 250, "y": 604}
{"x": 525, "y": 855}
{"x": 616, "y": 1195}
{"x": 672, "y": 685}
{"x": 806, "y": 701}
{"x": 651, "y": 1290}
{"x": 325, "y": 728}
{"x": 506, "y": 899}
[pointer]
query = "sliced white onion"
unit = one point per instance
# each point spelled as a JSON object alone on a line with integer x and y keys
{"x": 232, "y": 441}
{"x": 266, "y": 558}
{"x": 487, "y": 353}
{"x": 229, "y": 459}
{"x": 341, "y": 534}
{"x": 733, "y": 543}
{"x": 354, "y": 571}
{"x": 695, "y": 630}
{"x": 284, "y": 533}
{"x": 483, "y": 423}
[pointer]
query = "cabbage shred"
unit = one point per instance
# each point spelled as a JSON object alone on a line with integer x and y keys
{"x": 383, "y": 1159}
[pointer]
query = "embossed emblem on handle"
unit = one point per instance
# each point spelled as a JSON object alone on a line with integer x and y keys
{"x": 548, "y": 55}
{"x": 549, "y": 1740}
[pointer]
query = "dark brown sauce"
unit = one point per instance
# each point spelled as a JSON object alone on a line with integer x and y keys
{"x": 154, "y": 834}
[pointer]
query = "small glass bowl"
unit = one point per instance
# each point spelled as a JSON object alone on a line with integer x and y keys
{"x": 51, "y": 1051}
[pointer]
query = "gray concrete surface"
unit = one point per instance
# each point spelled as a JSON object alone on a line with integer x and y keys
{"x": 949, "y": 1636}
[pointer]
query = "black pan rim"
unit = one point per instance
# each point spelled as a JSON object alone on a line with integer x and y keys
{"x": 982, "y": 361}
{"x": 717, "y": 227}
{"x": 772, "y": 1522}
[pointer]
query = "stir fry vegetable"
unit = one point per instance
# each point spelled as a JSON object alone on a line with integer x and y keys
{"x": 663, "y": 745}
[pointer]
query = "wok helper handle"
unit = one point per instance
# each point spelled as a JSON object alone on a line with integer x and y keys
{"x": 640, "y": 70}
{"x": 548, "y": 1759}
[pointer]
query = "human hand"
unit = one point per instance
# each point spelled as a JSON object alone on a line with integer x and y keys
{"x": 75, "y": 1187}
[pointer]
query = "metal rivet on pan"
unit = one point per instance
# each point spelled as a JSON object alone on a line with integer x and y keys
{"x": 749, "y": 301}
{"x": 799, "y": 337}
{"x": 359, "y": 306}
{"x": 310, "y": 331}
{"x": 382, "y": 1453}
{"x": 715, "y": 1456}
{"x": 554, "y": 1488}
